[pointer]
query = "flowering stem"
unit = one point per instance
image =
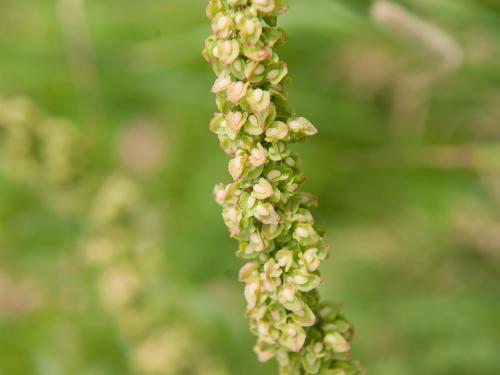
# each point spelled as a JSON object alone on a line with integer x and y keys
{"x": 264, "y": 207}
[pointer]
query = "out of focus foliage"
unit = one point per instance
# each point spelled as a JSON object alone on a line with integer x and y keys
{"x": 113, "y": 259}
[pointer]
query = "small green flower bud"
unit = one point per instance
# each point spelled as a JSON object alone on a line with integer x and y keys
{"x": 310, "y": 259}
{"x": 285, "y": 258}
{"x": 311, "y": 364}
{"x": 306, "y": 281}
{"x": 276, "y": 75}
{"x": 277, "y": 314}
{"x": 274, "y": 37}
{"x": 272, "y": 231}
{"x": 255, "y": 71}
{"x": 305, "y": 235}
{"x": 238, "y": 69}
{"x": 213, "y": 7}
{"x": 303, "y": 215}
{"x": 274, "y": 175}
{"x": 254, "y": 126}
{"x": 304, "y": 317}
{"x": 278, "y": 151}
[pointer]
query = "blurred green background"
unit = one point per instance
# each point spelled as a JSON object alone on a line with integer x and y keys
{"x": 407, "y": 167}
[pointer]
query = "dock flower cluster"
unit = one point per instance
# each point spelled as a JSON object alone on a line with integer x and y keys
{"x": 122, "y": 244}
{"x": 42, "y": 152}
{"x": 36, "y": 146}
{"x": 120, "y": 240}
{"x": 263, "y": 207}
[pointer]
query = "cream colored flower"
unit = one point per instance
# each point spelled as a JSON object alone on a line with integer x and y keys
{"x": 264, "y": 6}
{"x": 236, "y": 166}
{"x": 237, "y": 91}
{"x": 259, "y": 100}
{"x": 227, "y": 51}
{"x": 222, "y": 25}
{"x": 222, "y": 83}
{"x": 266, "y": 213}
{"x": 263, "y": 189}
{"x": 235, "y": 120}
{"x": 258, "y": 156}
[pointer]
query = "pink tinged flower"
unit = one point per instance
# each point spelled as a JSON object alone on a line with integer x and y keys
{"x": 227, "y": 51}
{"x": 259, "y": 100}
{"x": 337, "y": 342}
{"x": 304, "y": 317}
{"x": 266, "y": 213}
{"x": 311, "y": 259}
{"x": 284, "y": 258}
{"x": 248, "y": 272}
{"x": 258, "y": 156}
{"x": 237, "y": 91}
{"x": 293, "y": 337}
{"x": 275, "y": 76}
{"x": 235, "y": 120}
{"x": 236, "y": 167}
{"x": 219, "y": 193}
{"x": 232, "y": 217}
{"x": 264, "y": 353}
{"x": 264, "y": 6}
{"x": 251, "y": 292}
{"x": 222, "y": 83}
{"x": 259, "y": 52}
{"x": 250, "y": 29}
{"x": 222, "y": 25}
{"x": 256, "y": 243}
{"x": 302, "y": 125}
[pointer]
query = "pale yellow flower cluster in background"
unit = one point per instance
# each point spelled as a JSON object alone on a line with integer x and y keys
{"x": 120, "y": 243}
